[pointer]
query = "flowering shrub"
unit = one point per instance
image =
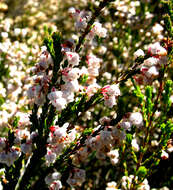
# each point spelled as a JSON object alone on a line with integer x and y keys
{"x": 96, "y": 109}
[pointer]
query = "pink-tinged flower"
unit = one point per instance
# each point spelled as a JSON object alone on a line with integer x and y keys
{"x": 104, "y": 91}
{"x": 55, "y": 94}
{"x": 110, "y": 90}
{"x": 56, "y": 185}
{"x": 110, "y": 93}
{"x": 26, "y": 148}
{"x": 72, "y": 58}
{"x": 76, "y": 177}
{"x": 50, "y": 157}
{"x": 52, "y": 129}
{"x": 93, "y": 61}
{"x": 138, "y": 53}
{"x": 99, "y": 30}
{"x": 164, "y": 155}
{"x": 136, "y": 119}
{"x": 70, "y": 74}
{"x": 156, "y": 50}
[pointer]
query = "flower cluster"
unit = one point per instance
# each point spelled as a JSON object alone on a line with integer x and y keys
{"x": 76, "y": 177}
{"x": 110, "y": 93}
{"x": 53, "y": 181}
{"x": 151, "y": 66}
{"x": 81, "y": 18}
{"x": 126, "y": 184}
{"x": 130, "y": 119}
{"x": 57, "y": 141}
{"x": 23, "y": 143}
{"x": 10, "y": 156}
{"x": 103, "y": 144}
{"x": 41, "y": 80}
{"x": 111, "y": 185}
{"x": 127, "y": 181}
{"x": 98, "y": 30}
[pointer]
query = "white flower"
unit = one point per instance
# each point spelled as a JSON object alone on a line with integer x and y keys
{"x": 157, "y": 49}
{"x": 33, "y": 91}
{"x": 24, "y": 32}
{"x": 152, "y": 72}
{"x": 99, "y": 30}
{"x": 59, "y": 148}
{"x": 72, "y": 182}
{"x": 59, "y": 103}
{"x": 93, "y": 61}
{"x": 105, "y": 137}
{"x": 107, "y": 75}
{"x": 144, "y": 185}
{"x": 72, "y": 86}
{"x": 56, "y": 185}
{"x": 48, "y": 179}
{"x": 9, "y": 157}
{"x": 114, "y": 155}
{"x": 111, "y": 186}
{"x": 72, "y": 11}
{"x": 151, "y": 61}
{"x": 68, "y": 95}
{"x": 135, "y": 145}
{"x": 136, "y": 119}
{"x": 114, "y": 161}
{"x": 126, "y": 125}
{"x": 26, "y": 148}
{"x": 94, "y": 72}
{"x": 54, "y": 95}
{"x": 4, "y": 34}
{"x": 52, "y": 177}
{"x": 81, "y": 24}
{"x": 138, "y": 53}
{"x": 22, "y": 134}
{"x": 60, "y": 132}
{"x": 56, "y": 175}
{"x": 164, "y": 155}
{"x": 113, "y": 90}
{"x": 77, "y": 178}
{"x": 17, "y": 31}
{"x": 72, "y": 58}
{"x": 157, "y": 29}
{"x": 50, "y": 157}
{"x": 110, "y": 102}
{"x": 71, "y": 75}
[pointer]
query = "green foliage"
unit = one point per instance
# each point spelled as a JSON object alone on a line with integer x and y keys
{"x": 87, "y": 131}
{"x": 4, "y": 69}
{"x": 16, "y": 121}
{"x": 167, "y": 94}
{"x": 129, "y": 138}
{"x": 142, "y": 172}
{"x": 167, "y": 130}
{"x": 168, "y": 18}
{"x": 149, "y": 101}
{"x": 83, "y": 79}
{"x": 2, "y": 100}
{"x": 138, "y": 93}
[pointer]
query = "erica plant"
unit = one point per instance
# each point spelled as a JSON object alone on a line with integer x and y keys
{"x": 90, "y": 124}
